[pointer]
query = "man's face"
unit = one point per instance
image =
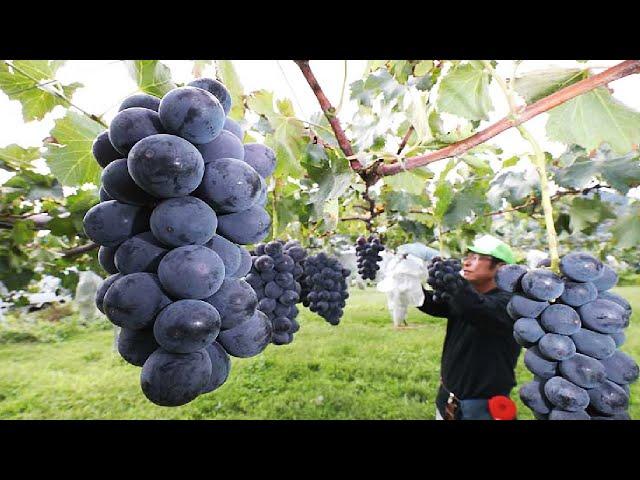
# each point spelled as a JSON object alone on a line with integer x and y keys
{"x": 477, "y": 268}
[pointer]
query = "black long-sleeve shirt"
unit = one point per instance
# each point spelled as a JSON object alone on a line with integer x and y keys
{"x": 479, "y": 353}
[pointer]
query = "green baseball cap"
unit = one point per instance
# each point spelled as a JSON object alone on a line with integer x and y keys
{"x": 489, "y": 245}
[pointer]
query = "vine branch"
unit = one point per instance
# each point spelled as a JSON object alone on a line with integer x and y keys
{"x": 533, "y": 200}
{"x": 536, "y": 200}
{"x": 329, "y": 112}
{"x": 405, "y": 139}
{"x": 523, "y": 114}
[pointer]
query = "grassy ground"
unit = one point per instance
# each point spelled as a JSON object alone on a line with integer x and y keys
{"x": 361, "y": 369}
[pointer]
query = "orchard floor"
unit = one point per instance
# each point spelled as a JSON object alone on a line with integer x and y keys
{"x": 361, "y": 369}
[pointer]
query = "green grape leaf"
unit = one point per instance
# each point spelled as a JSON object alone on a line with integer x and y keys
{"x": 288, "y": 142}
{"x": 578, "y": 175}
{"x": 403, "y": 201}
{"x": 510, "y": 162}
{"x": 325, "y": 133}
{"x": 588, "y": 212}
{"x": 620, "y": 172}
{"x": 33, "y": 84}
{"x": 514, "y": 187}
{"x": 360, "y": 94}
{"x": 62, "y": 227}
{"x": 443, "y": 191}
{"x": 22, "y": 232}
{"x": 231, "y": 80}
{"x": 481, "y": 166}
{"x": 538, "y": 84}
{"x": 415, "y": 106}
{"x": 14, "y": 157}
{"x": 423, "y": 67}
{"x": 569, "y": 156}
{"x": 464, "y": 91}
{"x": 261, "y": 103}
{"x": 626, "y": 231}
{"x": 287, "y": 208}
{"x": 14, "y": 280}
{"x": 70, "y": 158}
{"x": 285, "y": 107}
{"x": 151, "y": 76}
{"x": 468, "y": 201}
{"x": 562, "y": 223}
{"x": 82, "y": 200}
{"x": 373, "y": 65}
{"x": 410, "y": 181}
{"x": 315, "y": 160}
{"x": 35, "y": 186}
{"x": 333, "y": 177}
{"x": 444, "y": 194}
{"x": 595, "y": 118}
{"x": 401, "y": 69}
{"x": 418, "y": 230}
{"x": 382, "y": 81}
{"x": 378, "y": 143}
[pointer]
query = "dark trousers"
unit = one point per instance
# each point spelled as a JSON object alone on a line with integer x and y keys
{"x": 469, "y": 409}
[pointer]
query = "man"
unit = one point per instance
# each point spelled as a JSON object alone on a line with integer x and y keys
{"x": 479, "y": 355}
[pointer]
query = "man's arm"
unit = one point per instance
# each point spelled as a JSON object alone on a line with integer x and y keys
{"x": 486, "y": 312}
{"x": 431, "y": 308}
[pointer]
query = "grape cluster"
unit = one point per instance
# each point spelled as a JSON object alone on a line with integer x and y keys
{"x": 572, "y": 327}
{"x": 438, "y": 268}
{"x": 275, "y": 273}
{"x": 324, "y": 286}
{"x": 367, "y": 251}
{"x": 180, "y": 193}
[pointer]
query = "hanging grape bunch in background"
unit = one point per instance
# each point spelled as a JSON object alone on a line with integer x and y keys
{"x": 367, "y": 251}
{"x": 572, "y": 327}
{"x": 180, "y": 194}
{"x": 437, "y": 269}
{"x": 324, "y": 286}
{"x": 275, "y": 277}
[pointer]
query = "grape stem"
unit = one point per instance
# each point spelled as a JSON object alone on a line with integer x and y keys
{"x": 80, "y": 250}
{"x": 441, "y": 239}
{"x": 372, "y": 207}
{"x": 274, "y": 211}
{"x": 539, "y": 160}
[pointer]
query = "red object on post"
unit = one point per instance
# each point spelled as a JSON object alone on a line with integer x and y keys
{"x": 502, "y": 408}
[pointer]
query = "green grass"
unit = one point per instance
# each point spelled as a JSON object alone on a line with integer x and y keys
{"x": 361, "y": 369}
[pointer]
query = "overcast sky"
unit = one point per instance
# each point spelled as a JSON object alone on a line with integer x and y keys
{"x": 107, "y": 83}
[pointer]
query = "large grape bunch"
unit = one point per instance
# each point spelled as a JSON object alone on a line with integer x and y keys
{"x": 180, "y": 194}
{"x": 437, "y": 269}
{"x": 572, "y": 327}
{"x": 275, "y": 273}
{"x": 324, "y": 286}
{"x": 368, "y": 253}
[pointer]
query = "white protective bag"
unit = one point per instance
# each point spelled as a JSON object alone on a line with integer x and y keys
{"x": 402, "y": 282}
{"x": 88, "y": 284}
